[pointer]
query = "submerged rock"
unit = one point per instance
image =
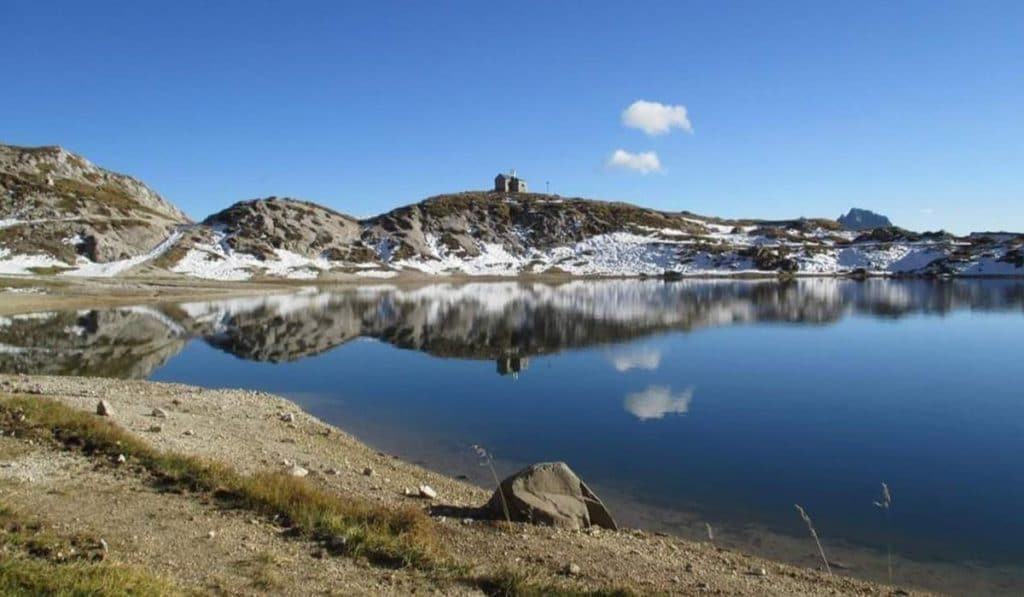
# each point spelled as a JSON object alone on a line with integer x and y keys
{"x": 550, "y": 493}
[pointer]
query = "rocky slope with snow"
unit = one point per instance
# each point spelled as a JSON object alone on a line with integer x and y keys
{"x": 60, "y": 214}
{"x": 502, "y": 234}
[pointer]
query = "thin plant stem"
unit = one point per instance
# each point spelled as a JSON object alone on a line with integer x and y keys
{"x": 485, "y": 459}
{"x": 814, "y": 535}
{"x": 885, "y": 505}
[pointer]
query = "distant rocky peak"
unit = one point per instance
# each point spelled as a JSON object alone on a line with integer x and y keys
{"x": 863, "y": 219}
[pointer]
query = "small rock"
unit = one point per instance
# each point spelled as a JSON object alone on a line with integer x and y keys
{"x": 572, "y": 569}
{"x": 297, "y": 471}
{"x": 155, "y": 429}
{"x": 104, "y": 409}
{"x": 333, "y": 471}
{"x": 211, "y": 534}
{"x": 758, "y": 572}
{"x": 427, "y": 492}
{"x": 104, "y": 546}
{"x": 288, "y": 417}
{"x": 159, "y": 413}
{"x": 121, "y": 459}
{"x": 189, "y": 432}
{"x": 368, "y": 472}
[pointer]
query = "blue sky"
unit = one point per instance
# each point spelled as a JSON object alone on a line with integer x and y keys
{"x": 913, "y": 109}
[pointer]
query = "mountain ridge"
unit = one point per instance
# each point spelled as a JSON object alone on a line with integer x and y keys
{"x": 863, "y": 219}
{"x": 59, "y": 214}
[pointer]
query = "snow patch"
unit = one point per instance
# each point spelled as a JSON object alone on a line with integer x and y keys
{"x": 90, "y": 269}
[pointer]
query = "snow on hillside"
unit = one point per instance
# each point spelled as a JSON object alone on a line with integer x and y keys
{"x": 13, "y": 264}
{"x": 215, "y": 260}
{"x": 654, "y": 252}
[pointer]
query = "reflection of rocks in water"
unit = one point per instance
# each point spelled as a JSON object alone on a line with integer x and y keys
{"x": 264, "y": 335}
{"x": 122, "y": 343}
{"x": 505, "y": 322}
{"x": 511, "y": 320}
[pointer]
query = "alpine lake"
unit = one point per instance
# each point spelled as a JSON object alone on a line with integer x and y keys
{"x": 704, "y": 408}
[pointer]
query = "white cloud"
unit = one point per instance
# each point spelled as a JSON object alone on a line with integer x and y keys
{"x": 644, "y": 162}
{"x": 657, "y": 401}
{"x": 655, "y": 118}
{"x": 648, "y": 359}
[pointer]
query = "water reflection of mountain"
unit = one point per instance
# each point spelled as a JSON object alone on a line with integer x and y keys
{"x": 506, "y": 322}
{"x": 125, "y": 343}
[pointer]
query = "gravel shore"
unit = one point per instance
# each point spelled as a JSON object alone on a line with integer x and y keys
{"x": 206, "y": 547}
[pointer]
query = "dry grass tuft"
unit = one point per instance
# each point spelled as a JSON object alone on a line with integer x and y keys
{"x": 386, "y": 536}
{"x": 510, "y": 582}
{"x": 38, "y": 561}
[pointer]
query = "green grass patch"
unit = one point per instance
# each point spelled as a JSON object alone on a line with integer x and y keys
{"x": 345, "y": 525}
{"x": 32, "y": 577}
{"x": 37, "y": 561}
{"x": 509, "y": 582}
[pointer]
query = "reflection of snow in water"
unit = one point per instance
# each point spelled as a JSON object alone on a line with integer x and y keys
{"x": 657, "y": 401}
{"x": 647, "y": 359}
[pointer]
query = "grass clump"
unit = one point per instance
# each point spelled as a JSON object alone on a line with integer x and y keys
{"x": 509, "y": 582}
{"x": 386, "y": 536}
{"x": 39, "y": 562}
{"x": 31, "y": 576}
{"x": 50, "y": 270}
{"x": 262, "y": 571}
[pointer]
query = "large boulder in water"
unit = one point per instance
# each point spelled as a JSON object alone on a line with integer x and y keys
{"x": 550, "y": 493}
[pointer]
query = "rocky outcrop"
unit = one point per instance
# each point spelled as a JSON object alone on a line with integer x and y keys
{"x": 459, "y": 224}
{"x": 58, "y": 204}
{"x": 261, "y": 227}
{"x": 550, "y": 493}
{"x": 863, "y": 219}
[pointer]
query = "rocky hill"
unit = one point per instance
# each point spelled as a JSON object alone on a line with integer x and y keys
{"x": 863, "y": 219}
{"x": 58, "y": 211}
{"x": 59, "y": 214}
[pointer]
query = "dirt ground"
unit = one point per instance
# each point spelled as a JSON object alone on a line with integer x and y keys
{"x": 207, "y": 548}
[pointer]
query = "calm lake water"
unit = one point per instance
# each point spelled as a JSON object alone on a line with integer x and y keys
{"x": 682, "y": 403}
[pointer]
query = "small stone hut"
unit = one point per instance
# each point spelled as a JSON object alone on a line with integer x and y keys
{"x": 509, "y": 183}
